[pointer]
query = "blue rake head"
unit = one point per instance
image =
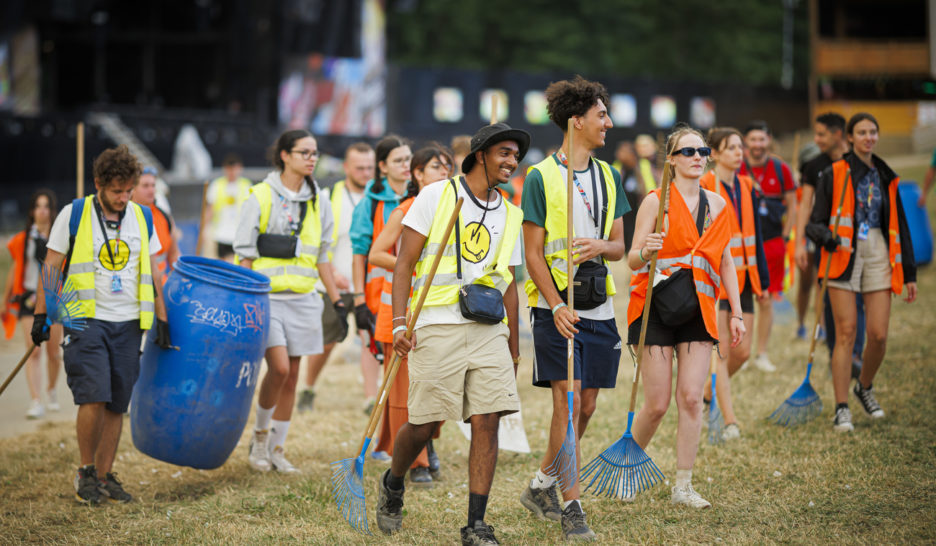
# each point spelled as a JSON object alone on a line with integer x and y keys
{"x": 622, "y": 470}
{"x": 61, "y": 300}
{"x": 716, "y": 423}
{"x": 348, "y": 491}
{"x": 564, "y": 466}
{"x": 802, "y": 406}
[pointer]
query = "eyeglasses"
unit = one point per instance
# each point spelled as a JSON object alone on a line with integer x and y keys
{"x": 306, "y": 154}
{"x": 689, "y": 151}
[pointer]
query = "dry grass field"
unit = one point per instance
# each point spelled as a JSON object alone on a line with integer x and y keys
{"x": 802, "y": 485}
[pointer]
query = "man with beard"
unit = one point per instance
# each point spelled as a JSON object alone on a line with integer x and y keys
{"x": 598, "y": 237}
{"x": 774, "y": 184}
{"x": 462, "y": 365}
{"x": 111, "y": 248}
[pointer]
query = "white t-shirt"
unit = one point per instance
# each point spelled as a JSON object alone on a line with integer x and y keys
{"x": 110, "y": 306}
{"x": 342, "y": 258}
{"x": 225, "y": 222}
{"x": 583, "y": 224}
{"x": 476, "y": 255}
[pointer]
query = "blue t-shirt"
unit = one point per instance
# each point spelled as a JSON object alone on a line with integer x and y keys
{"x": 869, "y": 201}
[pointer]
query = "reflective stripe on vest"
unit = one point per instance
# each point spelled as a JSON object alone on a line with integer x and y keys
{"x": 81, "y": 271}
{"x": 445, "y": 284}
{"x": 383, "y": 330}
{"x": 290, "y": 274}
{"x": 683, "y": 248}
{"x": 843, "y": 254}
{"x": 554, "y": 247}
{"x": 743, "y": 233}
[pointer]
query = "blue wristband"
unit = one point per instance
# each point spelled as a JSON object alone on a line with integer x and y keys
{"x": 558, "y": 306}
{"x": 401, "y": 328}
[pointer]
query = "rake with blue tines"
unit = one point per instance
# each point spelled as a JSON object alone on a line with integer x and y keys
{"x": 62, "y": 307}
{"x": 348, "y": 474}
{"x": 624, "y": 469}
{"x": 716, "y": 423}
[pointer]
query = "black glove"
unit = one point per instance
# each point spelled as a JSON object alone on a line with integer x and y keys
{"x": 342, "y": 313}
{"x": 162, "y": 334}
{"x": 363, "y": 318}
{"x": 40, "y": 330}
{"x": 831, "y": 241}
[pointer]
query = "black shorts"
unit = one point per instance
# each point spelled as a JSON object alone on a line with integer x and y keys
{"x": 27, "y": 303}
{"x": 596, "y": 351}
{"x": 225, "y": 249}
{"x": 660, "y": 334}
{"x": 102, "y": 362}
{"x": 747, "y": 300}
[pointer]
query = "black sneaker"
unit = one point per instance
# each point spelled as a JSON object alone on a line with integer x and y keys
{"x": 478, "y": 535}
{"x": 389, "y": 506}
{"x": 420, "y": 477}
{"x": 868, "y": 402}
{"x": 86, "y": 485}
{"x": 111, "y": 488}
{"x": 542, "y": 502}
{"x": 435, "y": 466}
{"x": 843, "y": 420}
{"x": 306, "y": 401}
{"x": 573, "y": 524}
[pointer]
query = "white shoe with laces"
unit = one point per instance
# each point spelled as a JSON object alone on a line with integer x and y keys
{"x": 258, "y": 452}
{"x": 731, "y": 432}
{"x": 688, "y": 496}
{"x": 280, "y": 464}
{"x": 762, "y": 363}
{"x": 35, "y": 411}
{"x": 843, "y": 420}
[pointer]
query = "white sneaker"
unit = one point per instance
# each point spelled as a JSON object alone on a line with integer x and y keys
{"x": 53, "y": 404}
{"x": 843, "y": 420}
{"x": 688, "y": 496}
{"x": 280, "y": 464}
{"x": 731, "y": 432}
{"x": 35, "y": 411}
{"x": 762, "y": 363}
{"x": 259, "y": 454}
{"x": 627, "y": 487}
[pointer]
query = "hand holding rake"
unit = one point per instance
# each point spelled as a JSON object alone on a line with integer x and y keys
{"x": 348, "y": 474}
{"x": 624, "y": 469}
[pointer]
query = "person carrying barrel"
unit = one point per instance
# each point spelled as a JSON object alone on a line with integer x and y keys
{"x": 111, "y": 248}
{"x": 461, "y": 353}
{"x": 285, "y": 232}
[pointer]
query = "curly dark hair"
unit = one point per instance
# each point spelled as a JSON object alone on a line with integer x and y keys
{"x": 421, "y": 158}
{"x": 116, "y": 165}
{"x": 575, "y": 97}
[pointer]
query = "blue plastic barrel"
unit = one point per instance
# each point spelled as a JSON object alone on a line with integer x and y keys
{"x": 190, "y": 405}
{"x": 921, "y": 233}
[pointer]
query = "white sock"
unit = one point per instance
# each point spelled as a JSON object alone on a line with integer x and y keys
{"x": 567, "y": 503}
{"x": 542, "y": 481}
{"x": 263, "y": 418}
{"x": 683, "y": 478}
{"x": 278, "y": 430}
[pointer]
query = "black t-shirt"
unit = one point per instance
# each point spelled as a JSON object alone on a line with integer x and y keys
{"x": 812, "y": 169}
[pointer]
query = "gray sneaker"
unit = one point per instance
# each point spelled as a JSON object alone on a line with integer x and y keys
{"x": 542, "y": 502}
{"x": 111, "y": 488}
{"x": 573, "y": 524}
{"x": 389, "y": 506}
{"x": 86, "y": 485}
{"x": 478, "y": 535}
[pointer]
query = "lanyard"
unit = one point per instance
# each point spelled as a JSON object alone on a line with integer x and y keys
{"x": 350, "y": 197}
{"x": 758, "y": 180}
{"x": 100, "y": 216}
{"x": 293, "y": 225}
{"x": 578, "y": 185}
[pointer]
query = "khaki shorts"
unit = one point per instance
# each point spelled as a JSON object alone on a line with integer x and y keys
{"x": 460, "y": 370}
{"x": 871, "y": 270}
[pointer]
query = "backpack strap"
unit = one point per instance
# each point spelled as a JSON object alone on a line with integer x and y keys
{"x": 148, "y": 216}
{"x": 778, "y": 169}
{"x": 703, "y": 210}
{"x": 73, "y": 222}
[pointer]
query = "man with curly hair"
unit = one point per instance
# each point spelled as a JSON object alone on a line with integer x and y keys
{"x": 111, "y": 248}
{"x": 598, "y": 237}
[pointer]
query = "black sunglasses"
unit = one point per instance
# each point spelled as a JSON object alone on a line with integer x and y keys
{"x": 689, "y": 151}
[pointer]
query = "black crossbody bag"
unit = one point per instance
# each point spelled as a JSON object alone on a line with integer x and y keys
{"x": 282, "y": 246}
{"x": 675, "y": 298}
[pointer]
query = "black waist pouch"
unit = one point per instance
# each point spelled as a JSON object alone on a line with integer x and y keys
{"x": 277, "y": 246}
{"x": 675, "y": 298}
{"x": 480, "y": 303}
{"x": 590, "y": 288}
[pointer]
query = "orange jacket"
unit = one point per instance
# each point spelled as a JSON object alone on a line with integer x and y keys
{"x": 683, "y": 248}
{"x": 17, "y": 248}
{"x": 383, "y": 332}
{"x": 841, "y": 258}
{"x": 163, "y": 230}
{"x": 743, "y": 234}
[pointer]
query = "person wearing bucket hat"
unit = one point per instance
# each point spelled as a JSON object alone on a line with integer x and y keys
{"x": 462, "y": 364}
{"x": 598, "y": 231}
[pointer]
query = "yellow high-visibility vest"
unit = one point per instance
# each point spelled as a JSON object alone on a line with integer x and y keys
{"x": 290, "y": 274}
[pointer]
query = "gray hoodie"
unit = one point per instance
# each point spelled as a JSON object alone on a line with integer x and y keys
{"x": 248, "y": 221}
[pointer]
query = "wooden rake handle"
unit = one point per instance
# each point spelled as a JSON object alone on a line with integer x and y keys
{"x": 395, "y": 360}
{"x": 824, "y": 280}
{"x": 664, "y": 190}
{"x": 17, "y": 368}
{"x": 570, "y": 268}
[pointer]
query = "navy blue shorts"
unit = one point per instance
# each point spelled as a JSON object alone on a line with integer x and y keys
{"x": 597, "y": 344}
{"x": 102, "y": 362}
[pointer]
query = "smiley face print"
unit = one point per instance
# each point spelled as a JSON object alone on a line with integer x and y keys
{"x": 121, "y": 253}
{"x": 476, "y": 242}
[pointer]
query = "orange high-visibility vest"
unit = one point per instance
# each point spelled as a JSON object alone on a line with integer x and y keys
{"x": 743, "y": 242}
{"x": 683, "y": 248}
{"x": 846, "y": 230}
{"x": 374, "y": 276}
{"x": 383, "y": 332}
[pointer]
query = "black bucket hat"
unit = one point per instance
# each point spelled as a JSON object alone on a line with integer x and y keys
{"x": 492, "y": 134}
